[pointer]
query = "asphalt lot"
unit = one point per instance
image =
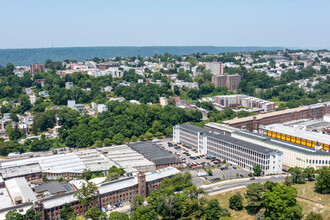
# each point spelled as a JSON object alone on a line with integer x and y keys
{"x": 217, "y": 173}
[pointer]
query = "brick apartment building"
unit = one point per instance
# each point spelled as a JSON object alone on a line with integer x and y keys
{"x": 229, "y": 81}
{"x": 37, "y": 68}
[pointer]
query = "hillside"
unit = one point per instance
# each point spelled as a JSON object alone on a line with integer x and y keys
{"x": 39, "y": 55}
{"x": 307, "y": 199}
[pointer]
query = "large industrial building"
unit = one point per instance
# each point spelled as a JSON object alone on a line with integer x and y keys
{"x": 22, "y": 196}
{"x": 297, "y": 135}
{"x": 161, "y": 157}
{"x": 140, "y": 157}
{"x": 253, "y": 123}
{"x": 234, "y": 151}
{"x": 293, "y": 154}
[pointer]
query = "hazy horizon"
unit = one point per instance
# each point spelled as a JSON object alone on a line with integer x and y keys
{"x": 44, "y": 24}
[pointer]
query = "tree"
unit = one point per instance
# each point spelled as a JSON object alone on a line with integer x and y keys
{"x": 144, "y": 213}
{"x": 257, "y": 170}
{"x": 31, "y": 214}
{"x": 87, "y": 174}
{"x": 95, "y": 214}
{"x": 280, "y": 203}
{"x": 67, "y": 212}
{"x": 13, "y": 215}
{"x": 254, "y": 197}
{"x": 236, "y": 202}
{"x": 136, "y": 202}
{"x": 114, "y": 173}
{"x": 177, "y": 182}
{"x": 309, "y": 173}
{"x": 169, "y": 206}
{"x": 314, "y": 216}
{"x": 87, "y": 193}
{"x": 322, "y": 184}
{"x": 214, "y": 211}
{"x": 297, "y": 175}
{"x": 118, "y": 216}
{"x": 118, "y": 138}
{"x": 13, "y": 132}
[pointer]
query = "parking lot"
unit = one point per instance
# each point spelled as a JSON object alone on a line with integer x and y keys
{"x": 189, "y": 156}
{"x": 194, "y": 160}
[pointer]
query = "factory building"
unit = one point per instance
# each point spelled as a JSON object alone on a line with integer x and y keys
{"x": 297, "y": 136}
{"x": 20, "y": 195}
{"x": 234, "y": 151}
{"x": 253, "y": 123}
{"x": 293, "y": 154}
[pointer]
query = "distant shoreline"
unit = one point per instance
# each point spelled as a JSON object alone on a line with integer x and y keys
{"x": 39, "y": 55}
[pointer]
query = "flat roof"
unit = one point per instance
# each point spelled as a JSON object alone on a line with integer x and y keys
{"x": 192, "y": 128}
{"x": 154, "y": 153}
{"x": 118, "y": 184}
{"x": 5, "y": 199}
{"x": 18, "y": 188}
{"x": 296, "y": 132}
{"x": 21, "y": 170}
{"x": 223, "y": 127}
{"x": 271, "y": 114}
{"x": 266, "y": 115}
{"x": 125, "y": 156}
{"x": 241, "y": 143}
{"x": 281, "y": 143}
{"x": 161, "y": 173}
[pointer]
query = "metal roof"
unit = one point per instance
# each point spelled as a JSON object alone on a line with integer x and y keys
{"x": 154, "y": 153}
{"x": 53, "y": 187}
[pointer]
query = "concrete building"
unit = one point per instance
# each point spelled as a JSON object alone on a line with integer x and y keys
{"x": 293, "y": 154}
{"x": 35, "y": 68}
{"x": 163, "y": 101}
{"x": 235, "y": 151}
{"x": 19, "y": 191}
{"x": 229, "y": 81}
{"x": 102, "y": 108}
{"x": 297, "y": 136}
{"x": 68, "y": 85}
{"x": 215, "y": 67}
{"x": 244, "y": 101}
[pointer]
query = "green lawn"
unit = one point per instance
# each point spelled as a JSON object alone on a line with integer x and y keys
{"x": 304, "y": 190}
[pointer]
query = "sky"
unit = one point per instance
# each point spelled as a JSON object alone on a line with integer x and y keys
{"x": 79, "y": 23}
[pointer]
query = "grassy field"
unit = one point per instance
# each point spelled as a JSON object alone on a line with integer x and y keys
{"x": 223, "y": 199}
{"x": 305, "y": 191}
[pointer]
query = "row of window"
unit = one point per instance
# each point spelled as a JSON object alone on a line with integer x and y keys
{"x": 318, "y": 161}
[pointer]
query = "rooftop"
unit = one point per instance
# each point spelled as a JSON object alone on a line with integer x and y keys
{"x": 241, "y": 143}
{"x": 296, "y": 132}
{"x": 280, "y": 143}
{"x": 19, "y": 190}
{"x": 154, "y": 153}
{"x": 261, "y": 116}
{"x": 192, "y": 128}
{"x": 20, "y": 170}
{"x": 54, "y": 187}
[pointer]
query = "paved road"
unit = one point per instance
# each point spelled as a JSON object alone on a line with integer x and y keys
{"x": 227, "y": 185}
